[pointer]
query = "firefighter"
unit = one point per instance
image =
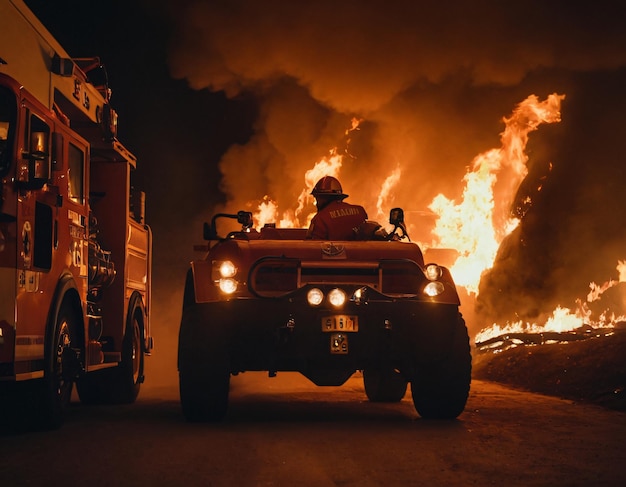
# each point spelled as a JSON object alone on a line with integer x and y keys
{"x": 335, "y": 219}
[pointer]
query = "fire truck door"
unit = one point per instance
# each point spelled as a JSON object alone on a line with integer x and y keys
{"x": 77, "y": 211}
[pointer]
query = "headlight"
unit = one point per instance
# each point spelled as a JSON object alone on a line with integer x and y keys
{"x": 433, "y": 288}
{"x": 228, "y": 285}
{"x": 223, "y": 269}
{"x": 227, "y": 269}
{"x": 433, "y": 272}
{"x": 315, "y": 296}
{"x": 337, "y": 297}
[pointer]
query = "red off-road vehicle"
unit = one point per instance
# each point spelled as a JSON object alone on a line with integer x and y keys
{"x": 270, "y": 300}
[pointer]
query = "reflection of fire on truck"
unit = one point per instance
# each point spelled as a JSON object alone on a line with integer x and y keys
{"x": 74, "y": 248}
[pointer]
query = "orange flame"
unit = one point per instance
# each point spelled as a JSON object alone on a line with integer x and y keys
{"x": 621, "y": 268}
{"x": 562, "y": 319}
{"x": 476, "y": 226}
{"x": 386, "y": 191}
{"x": 267, "y": 212}
{"x": 597, "y": 291}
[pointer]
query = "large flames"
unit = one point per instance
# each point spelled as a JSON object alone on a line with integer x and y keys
{"x": 475, "y": 226}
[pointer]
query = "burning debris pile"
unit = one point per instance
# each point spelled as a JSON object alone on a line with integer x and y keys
{"x": 572, "y": 355}
{"x": 506, "y": 341}
{"x": 584, "y": 365}
{"x": 563, "y": 325}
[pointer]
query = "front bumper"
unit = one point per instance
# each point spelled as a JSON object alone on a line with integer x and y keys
{"x": 288, "y": 334}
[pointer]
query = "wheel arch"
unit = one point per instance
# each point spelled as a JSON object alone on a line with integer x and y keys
{"x": 66, "y": 289}
{"x": 137, "y": 307}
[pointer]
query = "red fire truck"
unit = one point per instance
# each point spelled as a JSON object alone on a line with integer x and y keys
{"x": 75, "y": 251}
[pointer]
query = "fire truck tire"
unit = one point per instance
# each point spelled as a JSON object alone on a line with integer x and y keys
{"x": 440, "y": 390}
{"x": 204, "y": 396}
{"x": 129, "y": 374}
{"x": 385, "y": 385}
{"x": 119, "y": 385}
{"x": 60, "y": 368}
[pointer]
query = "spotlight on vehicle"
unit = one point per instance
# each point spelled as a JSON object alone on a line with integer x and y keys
{"x": 315, "y": 296}
{"x": 337, "y": 297}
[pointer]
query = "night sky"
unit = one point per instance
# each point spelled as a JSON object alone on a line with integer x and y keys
{"x": 224, "y": 102}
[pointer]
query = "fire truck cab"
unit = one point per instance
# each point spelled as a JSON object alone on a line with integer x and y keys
{"x": 75, "y": 251}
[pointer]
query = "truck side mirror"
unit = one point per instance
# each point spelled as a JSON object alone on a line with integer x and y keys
{"x": 245, "y": 219}
{"x": 396, "y": 217}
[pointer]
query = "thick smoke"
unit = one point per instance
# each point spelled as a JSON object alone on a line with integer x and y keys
{"x": 424, "y": 75}
{"x": 431, "y": 82}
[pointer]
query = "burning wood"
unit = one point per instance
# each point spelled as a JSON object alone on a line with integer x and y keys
{"x": 510, "y": 340}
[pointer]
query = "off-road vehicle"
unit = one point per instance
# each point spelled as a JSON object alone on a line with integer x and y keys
{"x": 271, "y": 300}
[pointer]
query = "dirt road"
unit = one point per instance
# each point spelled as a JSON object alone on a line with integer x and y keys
{"x": 285, "y": 431}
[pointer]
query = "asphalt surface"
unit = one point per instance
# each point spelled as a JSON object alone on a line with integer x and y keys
{"x": 285, "y": 431}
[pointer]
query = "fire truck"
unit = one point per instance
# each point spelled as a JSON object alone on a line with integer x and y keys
{"x": 75, "y": 251}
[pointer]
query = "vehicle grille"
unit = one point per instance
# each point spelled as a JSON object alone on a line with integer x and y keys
{"x": 272, "y": 277}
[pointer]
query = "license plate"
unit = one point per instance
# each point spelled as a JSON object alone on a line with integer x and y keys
{"x": 340, "y": 323}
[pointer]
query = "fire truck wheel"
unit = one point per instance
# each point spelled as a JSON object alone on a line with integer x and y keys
{"x": 129, "y": 375}
{"x": 119, "y": 385}
{"x": 386, "y": 385}
{"x": 440, "y": 390}
{"x": 61, "y": 368}
{"x": 126, "y": 379}
{"x": 203, "y": 392}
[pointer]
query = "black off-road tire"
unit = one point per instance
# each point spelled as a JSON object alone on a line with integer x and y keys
{"x": 440, "y": 389}
{"x": 386, "y": 385}
{"x": 203, "y": 365}
{"x": 204, "y": 394}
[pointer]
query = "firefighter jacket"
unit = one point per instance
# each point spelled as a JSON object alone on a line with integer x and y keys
{"x": 337, "y": 221}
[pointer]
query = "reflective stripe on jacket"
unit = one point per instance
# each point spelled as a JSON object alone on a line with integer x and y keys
{"x": 337, "y": 221}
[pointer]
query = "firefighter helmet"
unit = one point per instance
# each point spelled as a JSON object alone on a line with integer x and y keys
{"x": 328, "y": 186}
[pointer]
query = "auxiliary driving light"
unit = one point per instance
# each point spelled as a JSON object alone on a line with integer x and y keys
{"x": 337, "y": 297}
{"x": 315, "y": 296}
{"x": 228, "y": 285}
{"x": 433, "y": 272}
{"x": 433, "y": 288}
